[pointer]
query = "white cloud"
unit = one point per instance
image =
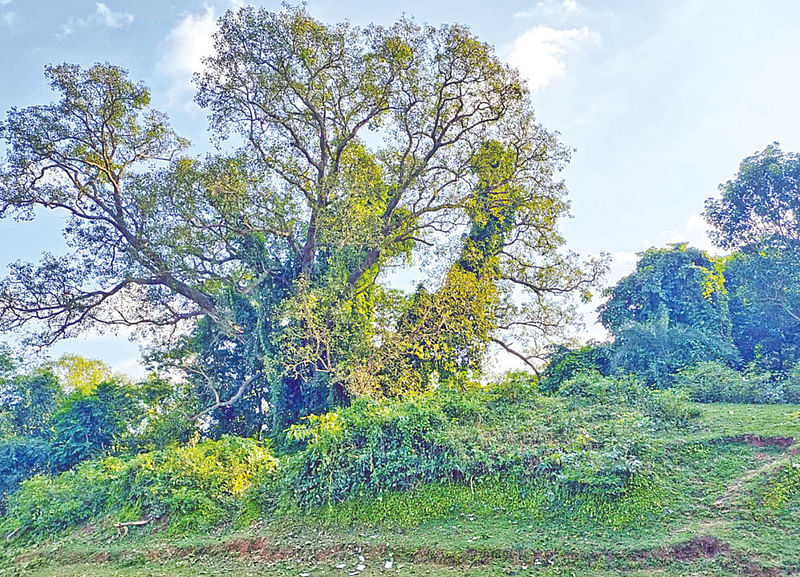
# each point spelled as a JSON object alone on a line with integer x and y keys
{"x": 8, "y": 17}
{"x": 186, "y": 45}
{"x": 102, "y": 15}
{"x": 539, "y": 52}
{"x": 112, "y": 19}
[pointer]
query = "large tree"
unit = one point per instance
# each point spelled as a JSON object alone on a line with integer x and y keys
{"x": 761, "y": 202}
{"x": 758, "y": 214}
{"x": 764, "y": 285}
{"x": 671, "y": 312}
{"x": 359, "y": 150}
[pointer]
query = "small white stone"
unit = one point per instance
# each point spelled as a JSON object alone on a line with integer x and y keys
{"x": 388, "y": 565}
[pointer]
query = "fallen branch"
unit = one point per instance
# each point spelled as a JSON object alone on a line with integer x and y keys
{"x": 124, "y": 528}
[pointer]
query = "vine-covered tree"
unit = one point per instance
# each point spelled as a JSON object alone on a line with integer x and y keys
{"x": 764, "y": 286}
{"x": 362, "y": 149}
{"x": 671, "y": 312}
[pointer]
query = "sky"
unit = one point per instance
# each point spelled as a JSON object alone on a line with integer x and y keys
{"x": 660, "y": 100}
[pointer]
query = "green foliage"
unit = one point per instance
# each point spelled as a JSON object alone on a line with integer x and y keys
{"x": 763, "y": 281}
{"x": 359, "y": 149}
{"x": 76, "y": 373}
{"x": 20, "y": 458}
{"x": 670, "y": 313}
{"x": 28, "y": 403}
{"x": 44, "y": 506}
{"x": 565, "y": 363}
{"x": 656, "y": 352}
{"x": 713, "y": 382}
{"x": 590, "y": 440}
{"x": 192, "y": 487}
{"x": 593, "y": 389}
{"x": 782, "y": 489}
{"x": 88, "y": 425}
{"x": 371, "y": 448}
{"x": 762, "y": 202}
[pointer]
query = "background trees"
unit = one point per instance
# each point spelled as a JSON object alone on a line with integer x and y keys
{"x": 362, "y": 149}
{"x": 762, "y": 202}
{"x": 757, "y": 214}
{"x": 671, "y": 312}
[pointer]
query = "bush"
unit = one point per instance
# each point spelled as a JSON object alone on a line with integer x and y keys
{"x": 713, "y": 382}
{"x": 20, "y": 459}
{"x": 370, "y": 448}
{"x": 46, "y": 505}
{"x": 595, "y": 442}
{"x": 193, "y": 487}
{"x": 566, "y": 363}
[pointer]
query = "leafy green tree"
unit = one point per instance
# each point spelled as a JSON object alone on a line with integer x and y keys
{"x": 761, "y": 202}
{"x": 92, "y": 424}
{"x": 764, "y": 286}
{"x": 359, "y": 152}
{"x": 759, "y": 214}
{"x": 671, "y": 312}
{"x": 76, "y": 373}
{"x": 28, "y": 403}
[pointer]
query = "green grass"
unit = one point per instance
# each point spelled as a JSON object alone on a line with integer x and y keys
{"x": 710, "y": 510}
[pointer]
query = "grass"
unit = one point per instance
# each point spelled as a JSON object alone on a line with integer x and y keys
{"x": 710, "y": 511}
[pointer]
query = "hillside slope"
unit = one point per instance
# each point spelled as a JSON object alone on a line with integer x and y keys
{"x": 728, "y": 504}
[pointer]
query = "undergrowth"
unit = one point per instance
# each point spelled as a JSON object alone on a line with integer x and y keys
{"x": 589, "y": 451}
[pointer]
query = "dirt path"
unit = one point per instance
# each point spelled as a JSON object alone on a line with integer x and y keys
{"x": 771, "y": 462}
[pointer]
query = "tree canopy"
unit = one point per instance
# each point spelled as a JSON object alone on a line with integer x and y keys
{"x": 671, "y": 312}
{"x": 759, "y": 215}
{"x": 357, "y": 150}
{"x": 761, "y": 202}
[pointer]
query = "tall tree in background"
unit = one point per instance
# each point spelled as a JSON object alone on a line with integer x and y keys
{"x": 758, "y": 214}
{"x": 671, "y": 312}
{"x": 363, "y": 149}
{"x": 762, "y": 202}
{"x": 764, "y": 286}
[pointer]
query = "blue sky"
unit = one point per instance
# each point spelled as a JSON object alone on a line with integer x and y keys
{"x": 660, "y": 99}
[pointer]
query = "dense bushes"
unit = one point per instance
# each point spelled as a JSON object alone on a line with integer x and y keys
{"x": 712, "y": 382}
{"x": 20, "y": 458}
{"x": 371, "y": 448}
{"x": 591, "y": 442}
{"x": 506, "y": 431}
{"x": 191, "y": 487}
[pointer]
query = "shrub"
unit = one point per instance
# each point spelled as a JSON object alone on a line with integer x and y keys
{"x": 370, "y": 448}
{"x": 662, "y": 407}
{"x": 593, "y": 443}
{"x": 713, "y": 382}
{"x": 20, "y": 459}
{"x": 566, "y": 363}
{"x": 46, "y": 505}
{"x": 784, "y": 488}
{"x": 193, "y": 487}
